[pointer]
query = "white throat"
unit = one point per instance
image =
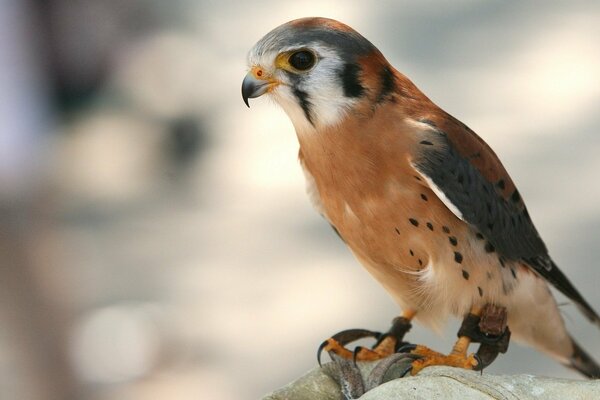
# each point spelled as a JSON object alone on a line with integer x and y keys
{"x": 326, "y": 103}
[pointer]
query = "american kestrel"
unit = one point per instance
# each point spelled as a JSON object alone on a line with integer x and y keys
{"x": 421, "y": 200}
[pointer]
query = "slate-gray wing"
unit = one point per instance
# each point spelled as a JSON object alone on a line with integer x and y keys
{"x": 504, "y": 222}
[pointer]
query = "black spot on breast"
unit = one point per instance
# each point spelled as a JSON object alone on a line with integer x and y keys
{"x": 513, "y": 272}
{"x": 426, "y": 142}
{"x": 414, "y": 221}
{"x": 412, "y": 253}
{"x": 489, "y": 275}
{"x": 417, "y": 178}
{"x": 430, "y": 226}
{"x": 458, "y": 257}
{"x": 351, "y": 81}
{"x": 420, "y": 262}
{"x": 453, "y": 240}
{"x": 501, "y": 185}
{"x": 305, "y": 103}
{"x": 480, "y": 291}
{"x": 479, "y": 236}
{"x": 501, "y": 262}
{"x": 397, "y": 230}
{"x": 515, "y": 197}
{"x": 465, "y": 274}
{"x": 489, "y": 248}
{"x": 423, "y": 197}
{"x": 446, "y": 229}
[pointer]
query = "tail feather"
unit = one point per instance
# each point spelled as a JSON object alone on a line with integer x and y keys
{"x": 562, "y": 283}
{"x": 582, "y": 362}
{"x": 589, "y": 312}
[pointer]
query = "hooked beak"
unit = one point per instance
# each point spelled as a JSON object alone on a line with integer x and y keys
{"x": 254, "y": 85}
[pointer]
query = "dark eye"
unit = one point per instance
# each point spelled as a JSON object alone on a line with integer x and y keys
{"x": 302, "y": 60}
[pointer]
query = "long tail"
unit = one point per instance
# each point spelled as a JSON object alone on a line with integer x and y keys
{"x": 582, "y": 362}
{"x": 562, "y": 283}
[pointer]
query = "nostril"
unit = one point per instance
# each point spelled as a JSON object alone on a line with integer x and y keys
{"x": 259, "y": 73}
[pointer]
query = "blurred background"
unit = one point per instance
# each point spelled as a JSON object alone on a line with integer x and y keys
{"x": 155, "y": 238}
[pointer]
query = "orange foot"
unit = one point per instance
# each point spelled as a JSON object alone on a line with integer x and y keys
{"x": 457, "y": 358}
{"x": 386, "y": 345}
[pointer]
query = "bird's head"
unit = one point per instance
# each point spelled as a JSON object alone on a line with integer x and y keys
{"x": 318, "y": 70}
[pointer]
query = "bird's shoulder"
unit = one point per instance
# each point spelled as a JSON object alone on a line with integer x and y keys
{"x": 468, "y": 176}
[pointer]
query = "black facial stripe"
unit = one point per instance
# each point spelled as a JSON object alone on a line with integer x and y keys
{"x": 350, "y": 80}
{"x": 304, "y": 102}
{"x": 388, "y": 83}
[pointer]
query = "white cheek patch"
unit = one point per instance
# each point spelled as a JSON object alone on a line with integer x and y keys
{"x": 327, "y": 104}
{"x": 324, "y": 89}
{"x": 289, "y": 102}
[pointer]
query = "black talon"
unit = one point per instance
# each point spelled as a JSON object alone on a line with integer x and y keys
{"x": 490, "y": 331}
{"x": 400, "y": 326}
{"x": 351, "y": 335}
{"x": 407, "y": 370}
{"x": 348, "y": 374}
{"x": 357, "y": 350}
{"x": 479, "y": 366}
{"x": 406, "y": 348}
{"x": 345, "y": 337}
{"x": 489, "y": 350}
{"x": 349, "y": 378}
{"x": 380, "y": 371}
{"x": 320, "y": 350}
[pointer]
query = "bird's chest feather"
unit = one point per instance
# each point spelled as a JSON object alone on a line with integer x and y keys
{"x": 365, "y": 187}
{"x": 397, "y": 227}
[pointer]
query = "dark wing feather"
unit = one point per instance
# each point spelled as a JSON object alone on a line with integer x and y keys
{"x": 502, "y": 218}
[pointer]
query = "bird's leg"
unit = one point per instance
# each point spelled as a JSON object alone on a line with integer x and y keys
{"x": 457, "y": 358}
{"x": 491, "y": 330}
{"x": 485, "y": 325}
{"x": 344, "y": 368}
{"x": 387, "y": 343}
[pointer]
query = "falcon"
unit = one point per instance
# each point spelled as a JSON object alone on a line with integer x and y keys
{"x": 422, "y": 201}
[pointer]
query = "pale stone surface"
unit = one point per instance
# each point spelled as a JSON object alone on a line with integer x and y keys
{"x": 315, "y": 385}
{"x": 443, "y": 383}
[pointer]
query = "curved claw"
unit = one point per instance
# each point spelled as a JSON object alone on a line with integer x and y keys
{"x": 349, "y": 378}
{"x": 344, "y": 337}
{"x": 351, "y": 335}
{"x": 378, "y": 374}
{"x": 406, "y": 348}
{"x": 320, "y": 350}
{"x": 480, "y": 364}
{"x": 357, "y": 350}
